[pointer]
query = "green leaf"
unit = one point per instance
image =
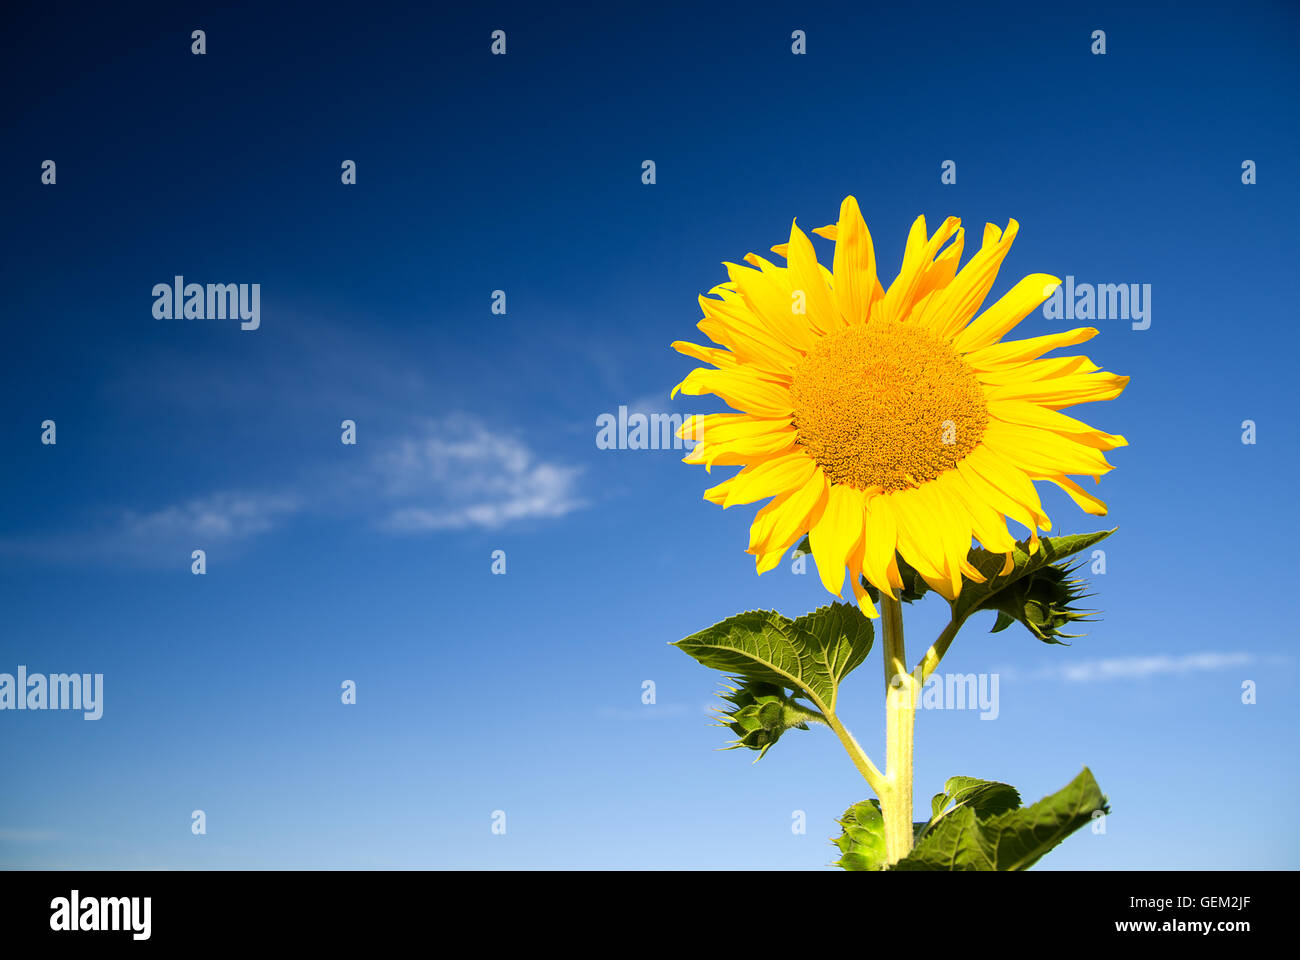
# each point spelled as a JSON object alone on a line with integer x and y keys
{"x": 988, "y": 798}
{"x": 1039, "y": 590}
{"x": 862, "y": 837}
{"x": 811, "y": 654}
{"x": 760, "y": 713}
{"x": 1014, "y": 840}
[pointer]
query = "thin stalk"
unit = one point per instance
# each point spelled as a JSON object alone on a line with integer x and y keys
{"x": 859, "y": 756}
{"x": 940, "y": 646}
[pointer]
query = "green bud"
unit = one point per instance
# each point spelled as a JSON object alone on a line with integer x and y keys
{"x": 758, "y": 713}
{"x": 1042, "y": 601}
{"x": 862, "y": 840}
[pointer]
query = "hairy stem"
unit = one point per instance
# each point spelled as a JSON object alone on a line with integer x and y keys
{"x": 859, "y": 756}
{"x": 900, "y": 714}
{"x": 940, "y": 646}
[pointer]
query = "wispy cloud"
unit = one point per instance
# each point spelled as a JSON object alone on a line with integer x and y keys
{"x": 457, "y": 473}
{"x": 406, "y": 477}
{"x": 650, "y": 403}
{"x": 1141, "y": 668}
{"x": 158, "y": 536}
{"x": 227, "y": 515}
{"x": 449, "y": 474}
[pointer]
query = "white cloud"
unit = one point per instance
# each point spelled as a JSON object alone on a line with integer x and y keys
{"x": 456, "y": 473}
{"x": 158, "y": 537}
{"x": 450, "y": 474}
{"x": 220, "y": 516}
{"x": 1139, "y": 668}
{"x": 652, "y": 403}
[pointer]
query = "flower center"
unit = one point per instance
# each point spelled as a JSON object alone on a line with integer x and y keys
{"x": 889, "y": 405}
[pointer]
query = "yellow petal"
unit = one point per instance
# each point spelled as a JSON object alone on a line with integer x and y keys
{"x": 724, "y": 359}
{"x": 770, "y": 478}
{"x": 987, "y": 523}
{"x": 937, "y": 276}
{"x": 1086, "y": 501}
{"x": 954, "y": 529}
{"x": 742, "y": 450}
{"x": 1061, "y": 391}
{"x": 999, "y": 500}
{"x": 1020, "y": 351}
{"x": 715, "y": 427}
{"x": 1032, "y": 415}
{"x": 740, "y": 389}
{"x": 917, "y": 258}
{"x": 1011, "y": 482}
{"x": 854, "y": 265}
{"x": 1012, "y": 307}
{"x": 963, "y": 296}
{"x": 788, "y": 517}
{"x": 771, "y": 301}
{"x": 836, "y": 535}
{"x": 768, "y": 561}
{"x": 718, "y": 494}
{"x": 881, "y": 543}
{"x": 729, "y": 322}
{"x": 919, "y": 539}
{"x": 859, "y": 591}
{"x": 1042, "y": 453}
{"x": 805, "y": 276}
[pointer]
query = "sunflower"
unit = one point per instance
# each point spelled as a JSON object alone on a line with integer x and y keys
{"x": 887, "y": 423}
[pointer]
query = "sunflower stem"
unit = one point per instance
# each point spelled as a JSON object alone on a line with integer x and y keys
{"x": 869, "y": 771}
{"x": 927, "y": 664}
{"x": 900, "y": 715}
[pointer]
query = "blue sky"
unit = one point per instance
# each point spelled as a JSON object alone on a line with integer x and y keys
{"x": 476, "y": 432}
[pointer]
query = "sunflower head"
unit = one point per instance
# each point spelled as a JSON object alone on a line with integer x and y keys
{"x": 890, "y": 423}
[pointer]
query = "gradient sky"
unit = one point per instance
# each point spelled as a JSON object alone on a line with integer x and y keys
{"x": 372, "y": 562}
